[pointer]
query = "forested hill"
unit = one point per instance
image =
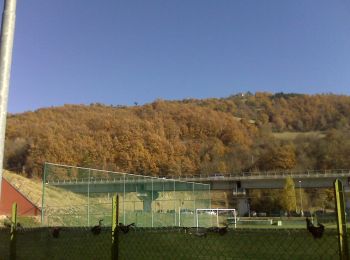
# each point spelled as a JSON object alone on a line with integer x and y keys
{"x": 186, "y": 137}
{"x": 286, "y": 112}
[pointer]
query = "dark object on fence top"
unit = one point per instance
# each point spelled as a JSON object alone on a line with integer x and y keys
{"x": 125, "y": 228}
{"x": 56, "y": 232}
{"x": 19, "y": 227}
{"x": 220, "y": 230}
{"x": 317, "y": 232}
{"x": 7, "y": 222}
{"x": 97, "y": 229}
{"x": 197, "y": 231}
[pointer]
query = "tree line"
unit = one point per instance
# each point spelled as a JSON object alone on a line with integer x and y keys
{"x": 185, "y": 137}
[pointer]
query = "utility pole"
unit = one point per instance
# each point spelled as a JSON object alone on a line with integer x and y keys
{"x": 6, "y": 45}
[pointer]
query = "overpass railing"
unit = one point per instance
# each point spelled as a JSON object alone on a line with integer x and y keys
{"x": 270, "y": 175}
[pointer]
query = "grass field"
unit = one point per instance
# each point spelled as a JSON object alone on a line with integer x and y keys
{"x": 173, "y": 243}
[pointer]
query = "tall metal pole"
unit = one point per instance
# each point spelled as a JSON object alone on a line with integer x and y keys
{"x": 88, "y": 200}
{"x": 341, "y": 220}
{"x": 115, "y": 231}
{"x": 6, "y": 45}
{"x": 43, "y": 195}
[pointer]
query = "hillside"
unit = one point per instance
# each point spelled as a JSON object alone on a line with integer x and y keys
{"x": 285, "y": 112}
{"x": 32, "y": 189}
{"x": 243, "y": 132}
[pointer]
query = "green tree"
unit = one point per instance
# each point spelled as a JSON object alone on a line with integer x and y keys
{"x": 288, "y": 200}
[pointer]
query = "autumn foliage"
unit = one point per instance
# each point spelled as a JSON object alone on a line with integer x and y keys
{"x": 184, "y": 137}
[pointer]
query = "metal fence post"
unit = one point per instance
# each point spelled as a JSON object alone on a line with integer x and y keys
{"x": 88, "y": 199}
{"x": 115, "y": 221}
{"x": 341, "y": 222}
{"x": 43, "y": 194}
{"x": 13, "y": 236}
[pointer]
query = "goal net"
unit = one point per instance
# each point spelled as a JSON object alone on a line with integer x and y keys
{"x": 217, "y": 217}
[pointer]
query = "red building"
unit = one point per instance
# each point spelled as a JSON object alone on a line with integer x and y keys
{"x": 10, "y": 195}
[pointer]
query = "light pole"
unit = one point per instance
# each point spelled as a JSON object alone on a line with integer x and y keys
{"x": 301, "y": 200}
{"x": 6, "y": 45}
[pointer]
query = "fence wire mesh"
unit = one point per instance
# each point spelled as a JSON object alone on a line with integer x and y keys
{"x": 170, "y": 243}
{"x": 147, "y": 201}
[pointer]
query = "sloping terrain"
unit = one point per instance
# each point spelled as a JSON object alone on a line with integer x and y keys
{"x": 32, "y": 189}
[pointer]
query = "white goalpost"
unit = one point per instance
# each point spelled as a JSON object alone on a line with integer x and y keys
{"x": 229, "y": 216}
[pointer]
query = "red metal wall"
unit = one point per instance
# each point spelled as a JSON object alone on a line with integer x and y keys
{"x": 10, "y": 195}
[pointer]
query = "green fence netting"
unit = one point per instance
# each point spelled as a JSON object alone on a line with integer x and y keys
{"x": 170, "y": 243}
{"x": 76, "y": 196}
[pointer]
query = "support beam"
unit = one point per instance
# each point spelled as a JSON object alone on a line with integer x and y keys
{"x": 148, "y": 197}
{"x": 242, "y": 206}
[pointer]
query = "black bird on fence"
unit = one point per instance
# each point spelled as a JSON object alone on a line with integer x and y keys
{"x": 96, "y": 230}
{"x": 197, "y": 231}
{"x": 19, "y": 227}
{"x": 7, "y": 222}
{"x": 223, "y": 230}
{"x": 219, "y": 230}
{"x": 200, "y": 232}
{"x": 56, "y": 232}
{"x": 125, "y": 228}
{"x": 317, "y": 232}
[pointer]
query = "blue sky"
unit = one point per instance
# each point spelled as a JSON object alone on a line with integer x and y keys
{"x": 121, "y": 52}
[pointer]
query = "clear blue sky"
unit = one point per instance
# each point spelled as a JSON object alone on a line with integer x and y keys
{"x": 121, "y": 52}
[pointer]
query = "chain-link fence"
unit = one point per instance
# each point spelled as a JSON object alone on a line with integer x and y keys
{"x": 254, "y": 238}
{"x": 147, "y": 201}
{"x": 169, "y": 243}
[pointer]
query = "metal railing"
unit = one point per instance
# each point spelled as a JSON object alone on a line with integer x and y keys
{"x": 214, "y": 177}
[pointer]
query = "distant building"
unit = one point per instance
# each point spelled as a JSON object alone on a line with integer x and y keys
{"x": 10, "y": 195}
